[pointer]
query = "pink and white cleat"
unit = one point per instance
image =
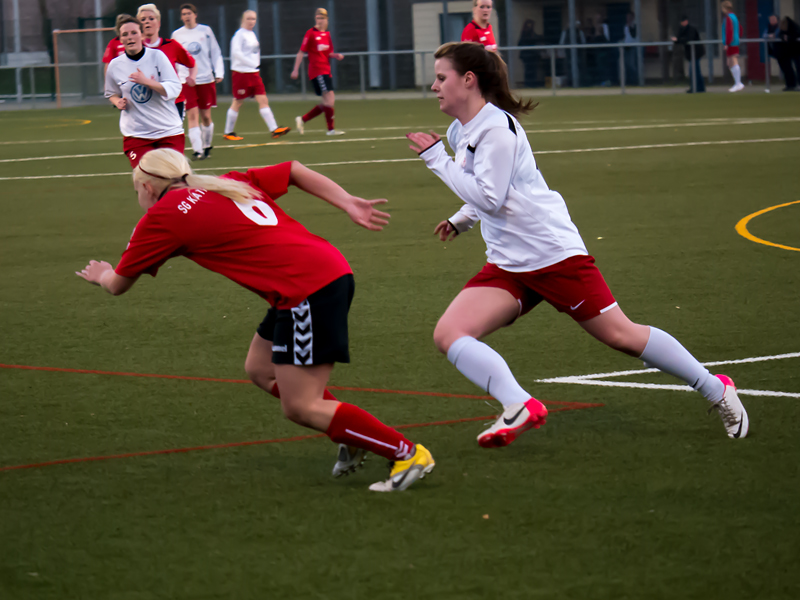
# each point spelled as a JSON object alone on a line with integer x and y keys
{"x": 731, "y": 410}
{"x": 515, "y": 420}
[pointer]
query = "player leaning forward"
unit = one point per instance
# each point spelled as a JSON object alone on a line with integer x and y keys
{"x": 142, "y": 84}
{"x": 200, "y": 42}
{"x": 246, "y": 78}
{"x": 534, "y": 250}
{"x": 232, "y": 225}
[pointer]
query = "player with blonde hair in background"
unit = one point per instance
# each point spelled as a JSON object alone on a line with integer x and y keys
{"x": 730, "y": 41}
{"x": 479, "y": 30}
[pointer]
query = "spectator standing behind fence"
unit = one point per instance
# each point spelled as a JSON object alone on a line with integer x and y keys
{"x": 631, "y": 36}
{"x": 480, "y": 30}
{"x": 790, "y": 49}
{"x": 246, "y": 78}
{"x": 605, "y": 56}
{"x": 318, "y": 45}
{"x": 201, "y": 43}
{"x": 730, "y": 41}
{"x": 530, "y": 58}
{"x": 687, "y": 34}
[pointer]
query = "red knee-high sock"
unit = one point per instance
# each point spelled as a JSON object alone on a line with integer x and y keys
{"x": 326, "y": 395}
{"x": 314, "y": 112}
{"x": 328, "y": 116}
{"x": 356, "y": 427}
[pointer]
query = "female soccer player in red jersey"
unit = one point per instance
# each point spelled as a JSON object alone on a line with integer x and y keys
{"x": 246, "y": 78}
{"x": 232, "y": 225}
{"x": 150, "y": 17}
{"x": 143, "y": 85}
{"x": 114, "y": 47}
{"x": 480, "y": 30}
{"x": 534, "y": 250}
{"x": 319, "y": 47}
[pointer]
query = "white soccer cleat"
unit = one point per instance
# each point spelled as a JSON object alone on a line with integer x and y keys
{"x": 737, "y": 87}
{"x": 335, "y": 132}
{"x": 515, "y": 420}
{"x": 731, "y": 410}
{"x": 299, "y": 125}
{"x": 349, "y": 460}
{"x": 406, "y": 472}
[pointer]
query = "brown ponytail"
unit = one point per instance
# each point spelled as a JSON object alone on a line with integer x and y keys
{"x": 491, "y": 71}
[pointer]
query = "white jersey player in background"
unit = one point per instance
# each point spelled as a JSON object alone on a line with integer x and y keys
{"x": 200, "y": 42}
{"x": 246, "y": 78}
{"x": 534, "y": 250}
{"x": 142, "y": 84}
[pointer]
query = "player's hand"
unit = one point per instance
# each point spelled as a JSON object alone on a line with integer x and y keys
{"x": 674, "y": 39}
{"x": 139, "y": 77}
{"x": 445, "y": 231}
{"x": 422, "y": 141}
{"x": 294, "y": 75}
{"x": 338, "y": 56}
{"x": 364, "y": 213}
{"x": 218, "y": 80}
{"x": 190, "y": 81}
{"x": 121, "y": 103}
{"x": 94, "y": 271}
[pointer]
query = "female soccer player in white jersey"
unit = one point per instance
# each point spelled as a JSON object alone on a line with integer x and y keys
{"x": 232, "y": 225}
{"x": 534, "y": 250}
{"x": 199, "y": 40}
{"x": 143, "y": 85}
{"x": 246, "y": 78}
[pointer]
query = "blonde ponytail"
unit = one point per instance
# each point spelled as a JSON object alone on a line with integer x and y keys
{"x": 165, "y": 167}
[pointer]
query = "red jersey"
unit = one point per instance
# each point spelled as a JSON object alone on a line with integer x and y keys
{"x": 113, "y": 50}
{"x": 256, "y": 245}
{"x": 319, "y": 46}
{"x": 473, "y": 33}
{"x": 176, "y": 54}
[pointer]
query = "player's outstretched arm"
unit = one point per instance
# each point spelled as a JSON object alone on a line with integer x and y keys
{"x": 102, "y": 273}
{"x": 298, "y": 60}
{"x": 361, "y": 211}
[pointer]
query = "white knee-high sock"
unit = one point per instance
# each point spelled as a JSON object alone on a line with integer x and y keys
{"x": 208, "y": 135}
{"x": 269, "y": 118}
{"x": 196, "y": 139}
{"x": 665, "y": 353}
{"x": 230, "y": 121}
{"x": 486, "y": 368}
{"x": 736, "y": 71}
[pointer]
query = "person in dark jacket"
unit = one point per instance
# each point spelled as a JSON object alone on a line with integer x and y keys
{"x": 531, "y": 58}
{"x": 687, "y": 33}
{"x": 790, "y": 52}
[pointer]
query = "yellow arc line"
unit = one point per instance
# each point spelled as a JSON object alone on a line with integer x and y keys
{"x": 741, "y": 227}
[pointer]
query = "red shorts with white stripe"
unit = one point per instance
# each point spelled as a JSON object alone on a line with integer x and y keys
{"x": 732, "y": 51}
{"x": 247, "y": 85}
{"x": 136, "y": 148}
{"x": 200, "y": 96}
{"x": 574, "y": 286}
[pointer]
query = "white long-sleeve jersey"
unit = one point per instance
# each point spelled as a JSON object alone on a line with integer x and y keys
{"x": 525, "y": 224}
{"x": 202, "y": 45}
{"x": 245, "y": 52}
{"x": 148, "y": 115}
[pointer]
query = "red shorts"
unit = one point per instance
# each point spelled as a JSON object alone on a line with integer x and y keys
{"x": 200, "y": 96}
{"x": 732, "y": 51}
{"x": 247, "y": 85}
{"x": 573, "y": 286}
{"x": 136, "y": 148}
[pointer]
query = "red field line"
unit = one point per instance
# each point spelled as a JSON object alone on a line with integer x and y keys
{"x": 297, "y": 438}
{"x": 218, "y": 380}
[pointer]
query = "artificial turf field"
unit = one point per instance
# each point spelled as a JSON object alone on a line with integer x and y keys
{"x": 642, "y": 497}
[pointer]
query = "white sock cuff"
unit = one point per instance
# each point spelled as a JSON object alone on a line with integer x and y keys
{"x": 458, "y": 346}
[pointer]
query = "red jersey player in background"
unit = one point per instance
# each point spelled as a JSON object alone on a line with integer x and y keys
{"x": 114, "y": 47}
{"x": 480, "y": 30}
{"x": 150, "y": 17}
{"x": 232, "y": 225}
{"x": 318, "y": 45}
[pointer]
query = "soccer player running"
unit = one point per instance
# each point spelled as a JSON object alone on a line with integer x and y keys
{"x": 199, "y": 40}
{"x": 730, "y": 41}
{"x": 114, "y": 48}
{"x": 232, "y": 225}
{"x": 246, "y": 78}
{"x": 143, "y": 85}
{"x": 534, "y": 250}
{"x": 480, "y": 30}
{"x": 150, "y": 17}
{"x": 318, "y": 45}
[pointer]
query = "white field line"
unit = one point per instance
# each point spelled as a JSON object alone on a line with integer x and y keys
{"x": 595, "y": 378}
{"x": 707, "y": 123}
{"x": 402, "y": 160}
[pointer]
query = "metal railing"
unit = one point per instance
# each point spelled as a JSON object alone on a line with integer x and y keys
{"x": 425, "y": 58}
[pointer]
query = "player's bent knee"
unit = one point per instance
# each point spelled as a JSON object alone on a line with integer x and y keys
{"x": 296, "y": 413}
{"x": 262, "y": 377}
{"x": 443, "y": 337}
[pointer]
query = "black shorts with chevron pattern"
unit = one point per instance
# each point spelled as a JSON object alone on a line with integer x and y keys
{"x": 315, "y": 331}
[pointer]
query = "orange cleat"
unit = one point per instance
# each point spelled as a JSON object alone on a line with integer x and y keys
{"x": 232, "y": 136}
{"x": 280, "y": 131}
